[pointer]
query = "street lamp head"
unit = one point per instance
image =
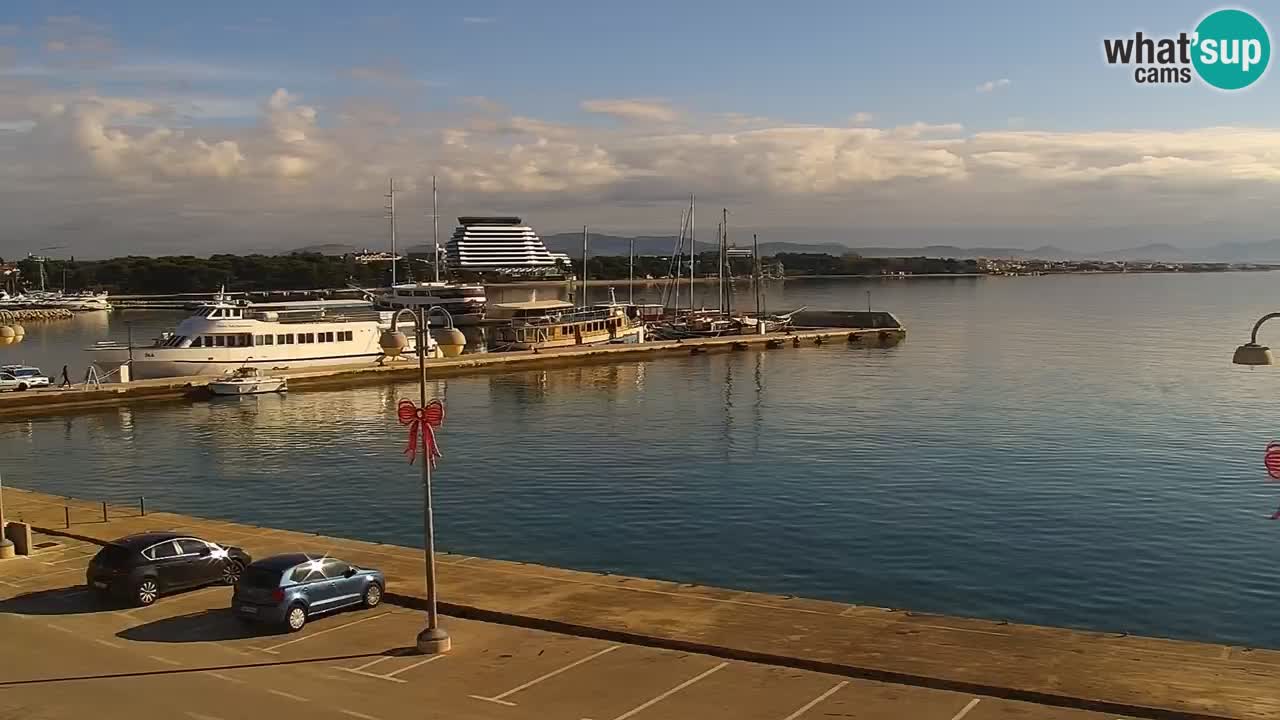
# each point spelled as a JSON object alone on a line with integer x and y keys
{"x": 393, "y": 342}
{"x": 1253, "y": 354}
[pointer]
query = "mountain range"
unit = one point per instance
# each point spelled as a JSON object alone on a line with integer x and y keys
{"x": 614, "y": 245}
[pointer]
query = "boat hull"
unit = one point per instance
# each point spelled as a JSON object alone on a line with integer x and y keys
{"x": 248, "y": 388}
{"x": 144, "y": 368}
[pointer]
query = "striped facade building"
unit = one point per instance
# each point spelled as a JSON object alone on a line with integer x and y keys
{"x": 499, "y": 244}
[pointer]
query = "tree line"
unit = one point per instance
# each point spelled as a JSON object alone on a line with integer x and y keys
{"x": 309, "y": 271}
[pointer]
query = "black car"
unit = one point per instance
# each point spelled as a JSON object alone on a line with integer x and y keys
{"x": 140, "y": 568}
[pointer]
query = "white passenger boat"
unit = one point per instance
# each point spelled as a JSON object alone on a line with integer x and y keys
{"x": 464, "y": 302}
{"x": 223, "y": 336}
{"x": 248, "y": 381}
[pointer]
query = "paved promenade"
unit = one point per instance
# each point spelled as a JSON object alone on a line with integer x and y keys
{"x": 539, "y": 642}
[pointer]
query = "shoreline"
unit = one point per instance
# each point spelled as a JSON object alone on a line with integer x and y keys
{"x": 646, "y": 282}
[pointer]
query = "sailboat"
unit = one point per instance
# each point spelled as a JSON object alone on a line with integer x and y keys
{"x": 465, "y": 303}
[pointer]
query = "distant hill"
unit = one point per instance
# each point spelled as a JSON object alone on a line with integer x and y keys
{"x": 1265, "y": 251}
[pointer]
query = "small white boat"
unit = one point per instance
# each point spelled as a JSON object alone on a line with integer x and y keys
{"x": 248, "y": 381}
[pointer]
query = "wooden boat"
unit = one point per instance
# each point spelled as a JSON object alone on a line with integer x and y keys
{"x": 543, "y": 324}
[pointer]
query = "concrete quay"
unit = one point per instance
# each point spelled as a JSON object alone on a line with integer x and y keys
{"x": 618, "y": 647}
{"x": 54, "y": 400}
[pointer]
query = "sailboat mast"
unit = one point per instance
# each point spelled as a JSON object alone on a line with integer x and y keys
{"x": 755, "y": 279}
{"x": 391, "y": 215}
{"x": 584, "y": 266}
{"x": 435, "y": 229}
{"x": 692, "y": 252}
{"x": 631, "y": 272}
{"x": 724, "y": 244}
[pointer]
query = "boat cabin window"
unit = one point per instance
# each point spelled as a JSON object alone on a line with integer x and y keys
{"x": 345, "y": 335}
{"x": 280, "y": 339}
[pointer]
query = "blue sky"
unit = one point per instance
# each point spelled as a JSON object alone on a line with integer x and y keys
{"x": 710, "y": 69}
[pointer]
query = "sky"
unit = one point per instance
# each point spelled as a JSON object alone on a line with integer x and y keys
{"x": 147, "y": 127}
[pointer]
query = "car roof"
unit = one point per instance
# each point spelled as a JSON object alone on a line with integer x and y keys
{"x": 142, "y": 541}
{"x": 283, "y": 562}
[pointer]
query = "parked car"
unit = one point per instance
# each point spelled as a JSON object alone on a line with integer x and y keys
{"x": 141, "y": 568}
{"x": 290, "y": 589}
{"x": 27, "y": 376}
{"x": 9, "y": 382}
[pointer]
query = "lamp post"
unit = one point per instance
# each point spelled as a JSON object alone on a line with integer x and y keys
{"x": 1251, "y": 353}
{"x": 433, "y": 639}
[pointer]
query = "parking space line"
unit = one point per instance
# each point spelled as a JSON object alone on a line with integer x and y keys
{"x": 165, "y": 660}
{"x": 369, "y": 664}
{"x": 198, "y": 716}
{"x": 499, "y": 698}
{"x": 289, "y": 696}
{"x": 107, "y": 643}
{"x": 275, "y": 649}
{"x": 391, "y": 675}
{"x": 355, "y": 714}
{"x": 809, "y": 705}
{"x": 673, "y": 691}
{"x": 228, "y": 678}
{"x": 965, "y": 710}
{"x": 59, "y": 628}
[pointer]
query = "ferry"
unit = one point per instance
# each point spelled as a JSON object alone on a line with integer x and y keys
{"x": 543, "y": 324}
{"x": 465, "y": 303}
{"x": 223, "y": 336}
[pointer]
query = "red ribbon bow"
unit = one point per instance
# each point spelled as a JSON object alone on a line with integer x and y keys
{"x": 422, "y": 420}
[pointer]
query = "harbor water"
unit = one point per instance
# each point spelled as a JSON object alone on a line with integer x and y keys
{"x": 1062, "y": 450}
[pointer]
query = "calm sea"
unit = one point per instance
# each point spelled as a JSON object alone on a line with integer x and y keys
{"x": 1067, "y": 450}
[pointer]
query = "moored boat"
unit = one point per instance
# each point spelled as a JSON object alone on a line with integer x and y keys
{"x": 223, "y": 336}
{"x": 544, "y": 324}
{"x": 248, "y": 381}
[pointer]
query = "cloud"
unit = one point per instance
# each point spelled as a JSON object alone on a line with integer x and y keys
{"x": 993, "y": 85}
{"x": 292, "y": 168}
{"x": 632, "y": 109}
{"x": 478, "y": 20}
{"x": 861, "y": 118}
{"x": 8, "y": 31}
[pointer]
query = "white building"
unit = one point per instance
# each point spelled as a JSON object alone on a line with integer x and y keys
{"x": 498, "y": 244}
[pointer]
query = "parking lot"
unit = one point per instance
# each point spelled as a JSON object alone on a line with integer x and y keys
{"x": 187, "y": 657}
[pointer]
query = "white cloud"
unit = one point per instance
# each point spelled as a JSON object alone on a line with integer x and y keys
{"x": 325, "y": 169}
{"x": 861, "y": 118}
{"x": 993, "y": 85}
{"x": 478, "y": 20}
{"x": 632, "y": 109}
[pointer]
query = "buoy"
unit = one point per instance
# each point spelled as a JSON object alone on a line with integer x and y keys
{"x": 19, "y": 331}
{"x": 7, "y": 332}
{"x": 392, "y": 343}
{"x": 450, "y": 340}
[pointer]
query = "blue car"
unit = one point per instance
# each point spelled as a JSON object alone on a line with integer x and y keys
{"x": 290, "y": 589}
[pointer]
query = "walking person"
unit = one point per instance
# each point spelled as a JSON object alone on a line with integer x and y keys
{"x": 66, "y": 379}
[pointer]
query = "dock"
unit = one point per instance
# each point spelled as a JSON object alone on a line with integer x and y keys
{"x": 699, "y": 651}
{"x": 53, "y": 400}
